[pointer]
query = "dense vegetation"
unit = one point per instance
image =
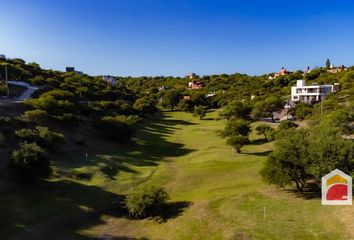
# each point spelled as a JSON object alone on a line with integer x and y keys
{"x": 70, "y": 109}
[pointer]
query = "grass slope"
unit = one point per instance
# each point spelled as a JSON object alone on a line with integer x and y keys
{"x": 215, "y": 194}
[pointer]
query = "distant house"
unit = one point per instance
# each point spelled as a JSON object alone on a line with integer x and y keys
{"x": 210, "y": 94}
{"x": 312, "y": 93}
{"x": 163, "y": 88}
{"x": 191, "y": 75}
{"x": 333, "y": 69}
{"x": 70, "y": 69}
{"x": 282, "y": 72}
{"x": 195, "y": 85}
{"x": 2, "y": 57}
{"x": 110, "y": 79}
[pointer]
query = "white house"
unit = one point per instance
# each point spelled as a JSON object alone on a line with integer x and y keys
{"x": 312, "y": 93}
{"x": 109, "y": 79}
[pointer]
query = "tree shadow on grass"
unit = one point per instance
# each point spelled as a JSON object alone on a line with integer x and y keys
{"x": 55, "y": 210}
{"x": 149, "y": 146}
{"x": 259, "y": 141}
{"x": 265, "y": 153}
{"x": 173, "y": 210}
{"x": 311, "y": 191}
{"x": 110, "y": 237}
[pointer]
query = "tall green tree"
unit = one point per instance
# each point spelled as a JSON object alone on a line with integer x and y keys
{"x": 171, "y": 98}
{"x": 236, "y": 133}
{"x": 199, "y": 111}
{"x": 144, "y": 106}
{"x": 268, "y": 107}
{"x": 236, "y": 110}
{"x": 328, "y": 63}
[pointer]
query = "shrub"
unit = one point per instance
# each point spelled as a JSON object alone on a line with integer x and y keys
{"x": 69, "y": 119}
{"x": 146, "y": 201}
{"x": 119, "y": 128}
{"x": 37, "y": 116}
{"x": 286, "y": 124}
{"x": 42, "y": 136}
{"x": 29, "y": 161}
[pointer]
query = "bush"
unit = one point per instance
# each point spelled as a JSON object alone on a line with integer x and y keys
{"x": 37, "y": 116}
{"x": 267, "y": 131}
{"x": 30, "y": 161}
{"x": 118, "y": 128}
{"x": 68, "y": 119}
{"x": 42, "y": 136}
{"x": 286, "y": 124}
{"x": 146, "y": 201}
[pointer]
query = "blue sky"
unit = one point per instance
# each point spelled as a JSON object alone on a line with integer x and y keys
{"x": 174, "y": 37}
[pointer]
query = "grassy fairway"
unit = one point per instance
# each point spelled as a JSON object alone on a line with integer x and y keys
{"x": 215, "y": 194}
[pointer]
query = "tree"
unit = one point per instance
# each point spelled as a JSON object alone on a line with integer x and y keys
{"x": 236, "y": 133}
{"x": 36, "y": 116}
{"x": 199, "y": 111}
{"x": 186, "y": 105}
{"x": 236, "y": 110}
{"x": 144, "y": 106}
{"x": 119, "y": 128}
{"x": 288, "y": 162}
{"x": 301, "y": 110}
{"x": 286, "y": 124}
{"x": 237, "y": 142}
{"x": 29, "y": 161}
{"x": 340, "y": 119}
{"x": 146, "y": 200}
{"x": 42, "y": 136}
{"x": 236, "y": 127}
{"x": 171, "y": 98}
{"x": 266, "y": 130}
{"x": 268, "y": 107}
{"x": 328, "y": 63}
{"x": 302, "y": 155}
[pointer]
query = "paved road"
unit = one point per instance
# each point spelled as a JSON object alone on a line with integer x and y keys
{"x": 28, "y": 92}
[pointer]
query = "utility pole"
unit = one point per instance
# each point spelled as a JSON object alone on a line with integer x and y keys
{"x": 7, "y": 83}
{"x": 321, "y": 106}
{"x": 80, "y": 87}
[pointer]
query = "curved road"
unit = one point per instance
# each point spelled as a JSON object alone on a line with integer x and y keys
{"x": 28, "y": 92}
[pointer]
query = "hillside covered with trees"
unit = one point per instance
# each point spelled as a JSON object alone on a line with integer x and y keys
{"x": 81, "y": 130}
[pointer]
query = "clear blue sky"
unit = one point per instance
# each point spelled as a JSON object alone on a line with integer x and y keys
{"x": 174, "y": 37}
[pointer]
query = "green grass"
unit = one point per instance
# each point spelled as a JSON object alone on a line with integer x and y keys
{"x": 225, "y": 194}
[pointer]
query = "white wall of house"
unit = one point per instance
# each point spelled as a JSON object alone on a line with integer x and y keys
{"x": 311, "y": 93}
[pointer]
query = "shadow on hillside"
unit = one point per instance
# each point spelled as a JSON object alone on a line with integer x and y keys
{"x": 55, "y": 210}
{"x": 149, "y": 146}
{"x": 59, "y": 210}
{"x": 110, "y": 237}
{"x": 265, "y": 153}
